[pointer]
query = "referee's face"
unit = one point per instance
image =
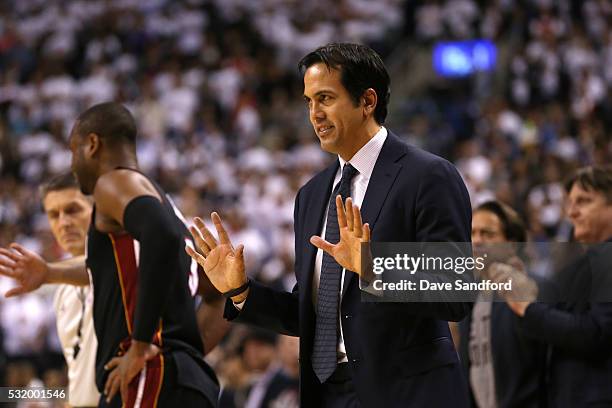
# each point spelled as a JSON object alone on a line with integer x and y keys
{"x": 69, "y": 213}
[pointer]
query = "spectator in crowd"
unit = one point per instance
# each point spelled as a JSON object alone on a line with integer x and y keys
{"x": 279, "y": 385}
{"x": 256, "y": 355}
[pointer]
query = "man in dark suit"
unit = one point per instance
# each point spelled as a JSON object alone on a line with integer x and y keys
{"x": 579, "y": 327}
{"x": 355, "y": 353}
{"x": 503, "y": 365}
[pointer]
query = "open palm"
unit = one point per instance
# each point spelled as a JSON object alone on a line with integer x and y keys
{"x": 353, "y": 233}
{"x": 27, "y": 268}
{"x": 222, "y": 263}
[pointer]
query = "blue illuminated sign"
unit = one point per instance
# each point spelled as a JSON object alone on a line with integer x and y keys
{"x": 461, "y": 58}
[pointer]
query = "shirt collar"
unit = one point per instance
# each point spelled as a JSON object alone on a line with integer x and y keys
{"x": 365, "y": 159}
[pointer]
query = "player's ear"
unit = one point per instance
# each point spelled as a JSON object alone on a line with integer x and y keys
{"x": 92, "y": 144}
{"x": 369, "y": 99}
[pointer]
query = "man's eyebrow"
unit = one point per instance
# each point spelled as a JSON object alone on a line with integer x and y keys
{"x": 322, "y": 91}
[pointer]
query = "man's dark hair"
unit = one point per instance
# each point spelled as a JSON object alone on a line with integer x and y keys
{"x": 109, "y": 120}
{"x": 360, "y": 68}
{"x": 60, "y": 182}
{"x": 593, "y": 178}
{"x": 512, "y": 225}
{"x": 262, "y": 336}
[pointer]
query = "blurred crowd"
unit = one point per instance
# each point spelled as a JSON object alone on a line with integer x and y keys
{"x": 222, "y": 125}
{"x": 517, "y": 134}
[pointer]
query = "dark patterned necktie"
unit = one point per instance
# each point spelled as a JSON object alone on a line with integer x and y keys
{"x": 324, "y": 352}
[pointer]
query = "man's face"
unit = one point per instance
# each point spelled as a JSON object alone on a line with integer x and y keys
{"x": 487, "y": 228}
{"x": 590, "y": 213}
{"x": 488, "y": 237}
{"x": 69, "y": 213}
{"x": 333, "y": 114}
{"x": 81, "y": 166}
{"x": 257, "y": 355}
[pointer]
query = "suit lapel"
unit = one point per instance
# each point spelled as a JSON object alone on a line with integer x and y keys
{"x": 383, "y": 176}
{"x": 316, "y": 203}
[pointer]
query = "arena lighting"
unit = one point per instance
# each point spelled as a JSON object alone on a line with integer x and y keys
{"x": 462, "y": 58}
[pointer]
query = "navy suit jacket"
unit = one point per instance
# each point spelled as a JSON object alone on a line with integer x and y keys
{"x": 579, "y": 332}
{"x": 400, "y": 354}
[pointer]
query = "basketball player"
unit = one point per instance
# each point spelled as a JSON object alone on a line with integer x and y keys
{"x": 143, "y": 281}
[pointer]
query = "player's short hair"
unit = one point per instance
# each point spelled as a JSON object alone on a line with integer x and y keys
{"x": 360, "y": 68}
{"x": 59, "y": 182}
{"x": 512, "y": 224}
{"x": 593, "y": 178}
{"x": 109, "y": 120}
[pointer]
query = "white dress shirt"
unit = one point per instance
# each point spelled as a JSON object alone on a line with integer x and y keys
{"x": 364, "y": 161}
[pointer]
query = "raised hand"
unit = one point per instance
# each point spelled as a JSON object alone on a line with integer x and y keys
{"x": 27, "y": 268}
{"x": 353, "y": 232}
{"x": 222, "y": 263}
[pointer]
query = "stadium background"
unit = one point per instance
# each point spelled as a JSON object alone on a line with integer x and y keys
{"x": 222, "y": 124}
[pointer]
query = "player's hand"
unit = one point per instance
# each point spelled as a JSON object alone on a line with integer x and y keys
{"x": 353, "y": 232}
{"x": 27, "y": 268}
{"x": 123, "y": 369}
{"x": 222, "y": 263}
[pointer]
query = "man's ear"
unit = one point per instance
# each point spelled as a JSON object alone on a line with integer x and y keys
{"x": 369, "y": 99}
{"x": 92, "y": 144}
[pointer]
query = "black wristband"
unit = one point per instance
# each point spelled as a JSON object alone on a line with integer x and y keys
{"x": 237, "y": 291}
